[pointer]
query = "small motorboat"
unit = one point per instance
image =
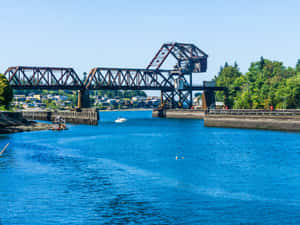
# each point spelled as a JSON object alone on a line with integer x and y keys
{"x": 120, "y": 120}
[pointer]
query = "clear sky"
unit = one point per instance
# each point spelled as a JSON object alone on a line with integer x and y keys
{"x": 87, "y": 33}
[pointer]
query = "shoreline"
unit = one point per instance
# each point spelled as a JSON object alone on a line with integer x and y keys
{"x": 33, "y": 126}
{"x": 14, "y": 122}
{"x": 119, "y": 110}
{"x": 256, "y": 124}
{"x": 259, "y": 120}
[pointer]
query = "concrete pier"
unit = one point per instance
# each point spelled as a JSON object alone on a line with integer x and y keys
{"x": 82, "y": 116}
{"x": 179, "y": 113}
{"x": 283, "y": 120}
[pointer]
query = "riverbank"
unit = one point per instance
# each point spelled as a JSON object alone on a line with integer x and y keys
{"x": 13, "y": 122}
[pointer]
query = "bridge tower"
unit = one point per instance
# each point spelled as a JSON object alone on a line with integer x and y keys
{"x": 190, "y": 59}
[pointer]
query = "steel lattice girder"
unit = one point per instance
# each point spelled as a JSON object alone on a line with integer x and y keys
{"x": 55, "y": 78}
{"x": 189, "y": 58}
{"x": 128, "y": 79}
{"x": 22, "y": 77}
{"x": 169, "y": 98}
{"x": 187, "y": 55}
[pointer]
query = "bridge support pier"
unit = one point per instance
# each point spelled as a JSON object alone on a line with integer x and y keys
{"x": 208, "y": 99}
{"x": 83, "y": 99}
{"x": 176, "y": 99}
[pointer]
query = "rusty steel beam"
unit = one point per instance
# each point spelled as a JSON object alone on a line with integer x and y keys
{"x": 189, "y": 57}
{"x": 25, "y": 77}
{"x": 175, "y": 84}
{"x": 128, "y": 79}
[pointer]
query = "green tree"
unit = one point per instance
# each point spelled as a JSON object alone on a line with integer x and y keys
{"x": 227, "y": 77}
{"x": 298, "y": 66}
{"x": 6, "y": 92}
{"x": 267, "y": 83}
{"x": 198, "y": 94}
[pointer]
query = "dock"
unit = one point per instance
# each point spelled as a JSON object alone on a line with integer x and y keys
{"x": 179, "y": 113}
{"x": 82, "y": 116}
{"x": 281, "y": 120}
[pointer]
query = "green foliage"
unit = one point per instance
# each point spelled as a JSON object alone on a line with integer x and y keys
{"x": 298, "y": 66}
{"x": 230, "y": 77}
{"x": 198, "y": 94}
{"x": 267, "y": 83}
{"x": 6, "y": 93}
{"x": 74, "y": 98}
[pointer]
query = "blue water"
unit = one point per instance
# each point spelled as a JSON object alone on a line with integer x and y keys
{"x": 128, "y": 174}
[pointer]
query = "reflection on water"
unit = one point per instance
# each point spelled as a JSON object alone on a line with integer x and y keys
{"x": 128, "y": 174}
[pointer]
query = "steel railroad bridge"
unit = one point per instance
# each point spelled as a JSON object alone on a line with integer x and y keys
{"x": 175, "y": 85}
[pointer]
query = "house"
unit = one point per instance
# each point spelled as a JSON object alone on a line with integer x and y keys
{"x": 20, "y": 98}
{"x": 63, "y": 98}
{"x": 197, "y": 101}
{"x": 138, "y": 99}
{"x": 112, "y": 101}
{"x": 30, "y": 98}
{"x": 38, "y": 97}
{"x": 219, "y": 105}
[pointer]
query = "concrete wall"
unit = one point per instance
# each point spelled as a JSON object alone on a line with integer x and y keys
{"x": 158, "y": 113}
{"x": 11, "y": 119}
{"x": 14, "y": 115}
{"x": 85, "y": 116}
{"x": 284, "y": 120}
{"x": 179, "y": 113}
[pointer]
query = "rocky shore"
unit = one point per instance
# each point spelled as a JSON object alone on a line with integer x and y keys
{"x": 13, "y": 122}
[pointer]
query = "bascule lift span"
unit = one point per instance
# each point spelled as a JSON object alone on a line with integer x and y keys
{"x": 176, "y": 84}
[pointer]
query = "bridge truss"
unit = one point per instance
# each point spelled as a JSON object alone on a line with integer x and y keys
{"x": 175, "y": 84}
{"x": 128, "y": 79}
{"x": 24, "y": 77}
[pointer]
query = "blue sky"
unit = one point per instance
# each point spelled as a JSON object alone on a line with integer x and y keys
{"x": 85, "y": 34}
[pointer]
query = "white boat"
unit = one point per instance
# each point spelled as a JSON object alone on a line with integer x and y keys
{"x": 120, "y": 120}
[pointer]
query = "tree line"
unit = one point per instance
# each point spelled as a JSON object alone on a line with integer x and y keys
{"x": 266, "y": 84}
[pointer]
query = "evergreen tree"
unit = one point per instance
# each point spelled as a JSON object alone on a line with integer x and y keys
{"x": 235, "y": 65}
{"x": 298, "y": 66}
{"x": 6, "y": 92}
{"x": 226, "y": 78}
{"x": 262, "y": 62}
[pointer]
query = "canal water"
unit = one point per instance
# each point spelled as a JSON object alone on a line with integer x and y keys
{"x": 150, "y": 171}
